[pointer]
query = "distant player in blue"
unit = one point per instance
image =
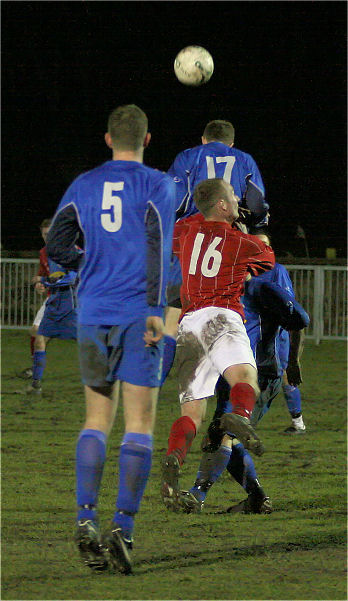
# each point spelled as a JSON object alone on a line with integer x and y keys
{"x": 59, "y": 319}
{"x": 215, "y": 157}
{"x": 277, "y": 339}
{"x": 125, "y": 212}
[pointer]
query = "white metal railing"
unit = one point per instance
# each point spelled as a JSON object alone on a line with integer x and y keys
{"x": 321, "y": 290}
{"x": 19, "y": 299}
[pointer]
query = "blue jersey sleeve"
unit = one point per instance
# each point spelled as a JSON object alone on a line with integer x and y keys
{"x": 254, "y": 195}
{"x": 64, "y": 232}
{"x": 180, "y": 172}
{"x": 179, "y": 167}
{"x": 282, "y": 278}
{"x": 66, "y": 279}
{"x": 159, "y": 222}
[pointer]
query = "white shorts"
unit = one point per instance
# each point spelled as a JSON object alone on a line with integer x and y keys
{"x": 39, "y": 314}
{"x": 209, "y": 341}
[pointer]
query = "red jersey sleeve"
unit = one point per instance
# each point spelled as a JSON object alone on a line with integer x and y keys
{"x": 43, "y": 267}
{"x": 260, "y": 256}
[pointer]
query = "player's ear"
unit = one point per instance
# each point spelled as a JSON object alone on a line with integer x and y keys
{"x": 204, "y": 140}
{"x": 108, "y": 139}
{"x": 147, "y": 139}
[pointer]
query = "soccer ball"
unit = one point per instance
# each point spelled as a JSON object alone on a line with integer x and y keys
{"x": 193, "y": 66}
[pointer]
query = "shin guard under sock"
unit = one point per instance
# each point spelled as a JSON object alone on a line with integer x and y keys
{"x": 182, "y": 434}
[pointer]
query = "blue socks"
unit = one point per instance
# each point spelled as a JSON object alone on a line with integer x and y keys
{"x": 39, "y": 364}
{"x": 241, "y": 467}
{"x": 134, "y": 469}
{"x": 90, "y": 459}
{"x": 168, "y": 356}
{"x": 211, "y": 467}
{"x": 223, "y": 403}
{"x": 293, "y": 399}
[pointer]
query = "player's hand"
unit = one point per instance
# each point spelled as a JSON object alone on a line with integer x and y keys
{"x": 40, "y": 288}
{"x": 293, "y": 373}
{"x": 36, "y": 279}
{"x": 244, "y": 215}
{"x": 154, "y": 330}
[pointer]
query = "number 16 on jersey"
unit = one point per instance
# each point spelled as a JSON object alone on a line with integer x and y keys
{"x": 211, "y": 260}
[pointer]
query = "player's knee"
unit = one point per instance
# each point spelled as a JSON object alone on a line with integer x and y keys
{"x": 194, "y": 412}
{"x": 243, "y": 373}
{"x": 40, "y": 343}
{"x": 33, "y": 330}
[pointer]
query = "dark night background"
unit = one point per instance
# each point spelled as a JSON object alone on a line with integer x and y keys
{"x": 280, "y": 78}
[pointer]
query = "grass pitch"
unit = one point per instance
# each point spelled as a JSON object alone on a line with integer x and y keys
{"x": 297, "y": 552}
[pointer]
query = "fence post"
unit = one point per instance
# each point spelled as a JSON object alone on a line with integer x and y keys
{"x": 318, "y": 307}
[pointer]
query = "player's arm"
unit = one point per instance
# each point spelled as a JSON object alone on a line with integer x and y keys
{"x": 159, "y": 224}
{"x": 260, "y": 255}
{"x": 180, "y": 177}
{"x": 275, "y": 294}
{"x": 293, "y": 370}
{"x": 254, "y": 196}
{"x": 42, "y": 265}
{"x": 61, "y": 239}
{"x": 179, "y": 167}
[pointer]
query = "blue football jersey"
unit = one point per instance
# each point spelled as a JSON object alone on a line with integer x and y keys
{"x": 211, "y": 160}
{"x": 126, "y": 212}
{"x": 269, "y": 342}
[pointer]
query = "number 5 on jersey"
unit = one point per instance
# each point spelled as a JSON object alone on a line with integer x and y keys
{"x": 211, "y": 261}
{"x": 111, "y": 216}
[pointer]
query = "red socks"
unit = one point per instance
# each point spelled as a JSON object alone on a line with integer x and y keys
{"x": 242, "y": 397}
{"x": 182, "y": 434}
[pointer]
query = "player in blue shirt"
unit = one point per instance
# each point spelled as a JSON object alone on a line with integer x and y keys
{"x": 277, "y": 341}
{"x": 58, "y": 321}
{"x": 215, "y": 157}
{"x": 125, "y": 212}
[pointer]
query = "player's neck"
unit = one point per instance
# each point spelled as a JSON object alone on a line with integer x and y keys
{"x": 219, "y": 219}
{"x": 128, "y": 155}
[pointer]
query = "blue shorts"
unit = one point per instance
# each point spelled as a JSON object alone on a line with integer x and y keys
{"x": 60, "y": 317}
{"x": 110, "y": 353}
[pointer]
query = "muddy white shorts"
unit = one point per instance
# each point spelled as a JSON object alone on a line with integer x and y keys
{"x": 209, "y": 341}
{"x": 39, "y": 314}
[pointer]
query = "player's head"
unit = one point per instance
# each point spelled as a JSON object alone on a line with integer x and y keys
{"x": 45, "y": 228}
{"x": 216, "y": 200}
{"x": 263, "y": 235}
{"x": 127, "y": 129}
{"x": 219, "y": 131}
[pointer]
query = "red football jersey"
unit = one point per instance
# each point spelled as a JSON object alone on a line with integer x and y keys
{"x": 215, "y": 259}
{"x": 43, "y": 267}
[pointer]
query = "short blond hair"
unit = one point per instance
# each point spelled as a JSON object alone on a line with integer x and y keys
{"x": 207, "y": 194}
{"x": 219, "y": 131}
{"x": 127, "y": 126}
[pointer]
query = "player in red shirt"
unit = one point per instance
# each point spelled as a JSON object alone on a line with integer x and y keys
{"x": 43, "y": 271}
{"x": 215, "y": 261}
